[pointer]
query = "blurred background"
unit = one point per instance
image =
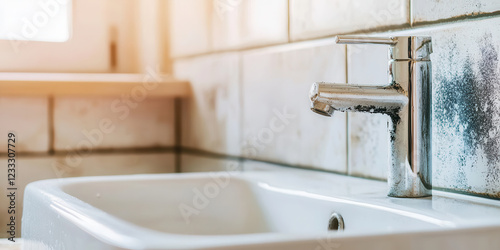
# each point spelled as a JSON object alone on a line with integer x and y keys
{"x": 164, "y": 86}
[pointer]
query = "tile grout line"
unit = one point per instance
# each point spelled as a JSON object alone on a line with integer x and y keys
{"x": 241, "y": 103}
{"x": 384, "y": 29}
{"x": 347, "y": 118}
{"x": 50, "y": 121}
{"x": 410, "y": 13}
{"x": 208, "y": 154}
{"x": 177, "y": 133}
{"x": 209, "y": 24}
{"x": 114, "y": 151}
{"x": 288, "y": 23}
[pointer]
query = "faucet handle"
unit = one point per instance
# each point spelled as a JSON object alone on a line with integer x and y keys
{"x": 416, "y": 48}
{"x": 365, "y": 39}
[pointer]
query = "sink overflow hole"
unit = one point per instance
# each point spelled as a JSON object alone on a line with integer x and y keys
{"x": 336, "y": 222}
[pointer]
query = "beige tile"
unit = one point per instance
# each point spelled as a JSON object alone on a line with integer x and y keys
{"x": 104, "y": 123}
{"x": 189, "y": 27}
{"x": 211, "y": 117}
{"x": 433, "y": 10}
{"x": 31, "y": 169}
{"x": 278, "y": 125}
{"x": 28, "y": 118}
{"x": 368, "y": 133}
{"x": 201, "y": 163}
{"x": 319, "y": 18}
{"x": 243, "y": 24}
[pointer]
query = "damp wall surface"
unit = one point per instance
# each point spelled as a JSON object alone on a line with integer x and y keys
{"x": 251, "y": 64}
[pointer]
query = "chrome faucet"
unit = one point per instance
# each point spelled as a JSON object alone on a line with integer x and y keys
{"x": 406, "y": 99}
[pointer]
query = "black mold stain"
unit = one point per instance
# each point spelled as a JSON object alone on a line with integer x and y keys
{"x": 470, "y": 97}
{"x": 392, "y": 113}
{"x": 488, "y": 74}
{"x": 374, "y": 109}
{"x": 397, "y": 87}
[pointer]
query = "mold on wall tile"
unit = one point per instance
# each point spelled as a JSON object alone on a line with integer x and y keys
{"x": 109, "y": 123}
{"x": 466, "y": 106}
{"x": 28, "y": 118}
{"x": 211, "y": 117}
{"x": 433, "y": 10}
{"x": 466, "y": 116}
{"x": 278, "y": 125}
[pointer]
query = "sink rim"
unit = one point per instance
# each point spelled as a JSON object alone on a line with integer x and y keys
{"x": 80, "y": 213}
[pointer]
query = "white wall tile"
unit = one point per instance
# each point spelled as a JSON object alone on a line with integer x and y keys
{"x": 248, "y": 23}
{"x": 28, "y": 118}
{"x": 104, "y": 123}
{"x": 189, "y": 27}
{"x": 433, "y": 10}
{"x": 211, "y": 117}
{"x": 31, "y": 169}
{"x": 202, "y": 163}
{"x": 368, "y": 133}
{"x": 278, "y": 124}
{"x": 319, "y": 18}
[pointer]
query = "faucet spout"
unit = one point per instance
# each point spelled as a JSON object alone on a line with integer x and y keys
{"x": 329, "y": 97}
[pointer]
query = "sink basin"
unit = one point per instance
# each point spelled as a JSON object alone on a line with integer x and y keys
{"x": 249, "y": 210}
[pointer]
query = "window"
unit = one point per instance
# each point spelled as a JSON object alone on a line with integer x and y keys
{"x": 35, "y": 20}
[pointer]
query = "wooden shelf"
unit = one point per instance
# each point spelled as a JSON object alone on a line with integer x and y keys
{"x": 83, "y": 84}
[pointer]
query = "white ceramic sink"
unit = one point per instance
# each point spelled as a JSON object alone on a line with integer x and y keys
{"x": 250, "y": 210}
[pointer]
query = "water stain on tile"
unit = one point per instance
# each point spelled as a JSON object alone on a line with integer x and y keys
{"x": 465, "y": 104}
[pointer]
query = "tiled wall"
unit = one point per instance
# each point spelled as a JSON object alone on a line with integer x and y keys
{"x": 64, "y": 137}
{"x": 251, "y": 88}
